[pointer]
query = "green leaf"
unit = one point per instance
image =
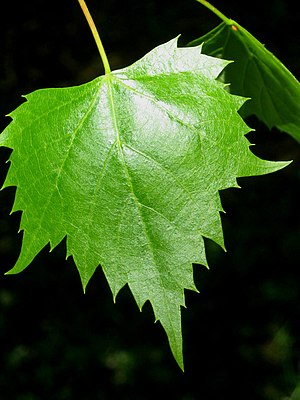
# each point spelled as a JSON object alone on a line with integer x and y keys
{"x": 256, "y": 73}
{"x": 128, "y": 168}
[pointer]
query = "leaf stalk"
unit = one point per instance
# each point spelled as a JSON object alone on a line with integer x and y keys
{"x": 96, "y": 36}
{"x": 214, "y": 10}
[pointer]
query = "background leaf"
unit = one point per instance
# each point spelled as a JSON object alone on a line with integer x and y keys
{"x": 256, "y": 73}
{"x": 128, "y": 167}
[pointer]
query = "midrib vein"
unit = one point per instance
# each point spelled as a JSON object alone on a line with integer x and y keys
{"x": 128, "y": 178}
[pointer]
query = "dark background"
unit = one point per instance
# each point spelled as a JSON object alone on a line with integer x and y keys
{"x": 241, "y": 333}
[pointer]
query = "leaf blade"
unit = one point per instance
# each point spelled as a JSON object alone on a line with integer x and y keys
{"x": 128, "y": 167}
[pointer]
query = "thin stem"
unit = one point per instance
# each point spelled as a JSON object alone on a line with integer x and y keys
{"x": 96, "y": 36}
{"x": 214, "y": 10}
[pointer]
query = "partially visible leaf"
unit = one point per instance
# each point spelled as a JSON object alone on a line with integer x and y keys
{"x": 128, "y": 168}
{"x": 258, "y": 74}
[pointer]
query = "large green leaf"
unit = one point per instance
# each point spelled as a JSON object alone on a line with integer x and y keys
{"x": 258, "y": 74}
{"x": 128, "y": 168}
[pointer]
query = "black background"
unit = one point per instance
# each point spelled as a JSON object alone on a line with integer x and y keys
{"x": 241, "y": 333}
